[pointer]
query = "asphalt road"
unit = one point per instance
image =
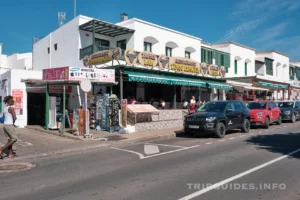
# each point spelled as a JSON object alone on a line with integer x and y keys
{"x": 263, "y": 164}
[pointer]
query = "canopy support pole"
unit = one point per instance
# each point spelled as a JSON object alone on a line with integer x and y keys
{"x": 121, "y": 85}
{"x": 283, "y": 94}
{"x": 47, "y": 107}
{"x": 289, "y": 93}
{"x": 64, "y": 110}
{"x": 174, "y": 99}
{"x": 199, "y": 95}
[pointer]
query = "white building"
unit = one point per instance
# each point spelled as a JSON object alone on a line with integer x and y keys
{"x": 242, "y": 58}
{"x": 67, "y": 45}
{"x": 294, "y": 73}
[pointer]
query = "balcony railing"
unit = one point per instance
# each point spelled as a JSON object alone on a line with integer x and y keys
{"x": 86, "y": 51}
{"x": 270, "y": 72}
{"x": 292, "y": 78}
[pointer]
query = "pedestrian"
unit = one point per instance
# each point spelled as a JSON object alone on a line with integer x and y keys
{"x": 192, "y": 106}
{"x": 9, "y": 127}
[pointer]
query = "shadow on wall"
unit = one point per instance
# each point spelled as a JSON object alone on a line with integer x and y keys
{"x": 278, "y": 143}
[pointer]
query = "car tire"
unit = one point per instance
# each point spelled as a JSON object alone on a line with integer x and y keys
{"x": 279, "y": 121}
{"x": 220, "y": 130}
{"x": 246, "y": 126}
{"x": 293, "y": 118}
{"x": 267, "y": 123}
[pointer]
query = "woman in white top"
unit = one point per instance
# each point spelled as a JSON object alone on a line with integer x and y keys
{"x": 8, "y": 127}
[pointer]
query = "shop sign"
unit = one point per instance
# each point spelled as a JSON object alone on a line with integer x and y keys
{"x": 59, "y": 89}
{"x": 124, "y": 112}
{"x": 163, "y": 62}
{"x": 147, "y": 59}
{"x": 17, "y": 95}
{"x": 213, "y": 70}
{"x": 222, "y": 71}
{"x": 102, "y": 57}
{"x": 204, "y": 68}
{"x": 184, "y": 65}
{"x": 53, "y": 74}
{"x": 131, "y": 56}
{"x": 273, "y": 85}
{"x": 99, "y": 75}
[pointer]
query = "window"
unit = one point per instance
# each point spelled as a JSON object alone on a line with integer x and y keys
{"x": 55, "y": 46}
{"x": 187, "y": 54}
{"x": 100, "y": 42}
{"x": 207, "y": 56}
{"x": 269, "y": 66}
{"x": 147, "y": 46}
{"x": 298, "y": 104}
{"x": 235, "y": 66}
{"x": 238, "y": 106}
{"x": 230, "y": 107}
{"x": 246, "y": 69}
{"x": 121, "y": 44}
{"x": 169, "y": 51}
{"x": 273, "y": 105}
{"x": 48, "y": 50}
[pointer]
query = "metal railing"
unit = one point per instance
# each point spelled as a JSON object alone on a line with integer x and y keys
{"x": 86, "y": 51}
{"x": 292, "y": 78}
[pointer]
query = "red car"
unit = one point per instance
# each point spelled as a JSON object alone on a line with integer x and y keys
{"x": 263, "y": 113}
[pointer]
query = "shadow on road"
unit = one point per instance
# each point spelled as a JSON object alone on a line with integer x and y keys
{"x": 278, "y": 143}
{"x": 181, "y": 134}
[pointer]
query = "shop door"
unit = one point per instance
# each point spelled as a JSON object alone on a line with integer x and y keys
{"x": 36, "y": 108}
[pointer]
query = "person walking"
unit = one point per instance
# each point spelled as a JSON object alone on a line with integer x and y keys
{"x": 8, "y": 127}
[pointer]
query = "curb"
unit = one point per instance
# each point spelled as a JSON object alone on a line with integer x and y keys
{"x": 56, "y": 134}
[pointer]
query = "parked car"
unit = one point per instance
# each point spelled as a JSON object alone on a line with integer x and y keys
{"x": 263, "y": 113}
{"x": 217, "y": 117}
{"x": 290, "y": 110}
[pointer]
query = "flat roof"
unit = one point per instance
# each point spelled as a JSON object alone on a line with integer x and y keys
{"x": 105, "y": 28}
{"x": 272, "y": 51}
{"x": 158, "y": 26}
{"x": 234, "y": 43}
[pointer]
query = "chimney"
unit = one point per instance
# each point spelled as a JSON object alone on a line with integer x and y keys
{"x": 124, "y": 17}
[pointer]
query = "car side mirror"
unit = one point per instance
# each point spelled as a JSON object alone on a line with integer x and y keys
{"x": 270, "y": 108}
{"x": 229, "y": 110}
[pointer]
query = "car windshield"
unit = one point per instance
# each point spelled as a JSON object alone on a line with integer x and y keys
{"x": 257, "y": 105}
{"x": 287, "y": 104}
{"x": 213, "y": 107}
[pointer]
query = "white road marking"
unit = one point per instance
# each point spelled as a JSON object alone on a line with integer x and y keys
{"x": 150, "y": 149}
{"x": 217, "y": 185}
{"x": 221, "y": 140}
{"x": 209, "y": 143}
{"x": 167, "y": 145}
{"x": 242, "y": 135}
{"x": 168, "y": 152}
{"x": 231, "y": 138}
{"x": 134, "y": 152}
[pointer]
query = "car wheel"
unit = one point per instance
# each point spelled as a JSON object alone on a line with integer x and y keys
{"x": 267, "y": 122}
{"x": 220, "y": 130}
{"x": 279, "y": 120}
{"x": 293, "y": 118}
{"x": 246, "y": 126}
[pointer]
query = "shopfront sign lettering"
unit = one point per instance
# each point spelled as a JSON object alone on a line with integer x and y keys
{"x": 99, "y": 75}
{"x": 53, "y": 74}
{"x": 213, "y": 70}
{"x": 102, "y": 57}
{"x": 184, "y": 65}
{"x": 147, "y": 59}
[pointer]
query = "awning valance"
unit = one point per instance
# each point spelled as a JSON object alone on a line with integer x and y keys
{"x": 219, "y": 85}
{"x": 272, "y": 85}
{"x": 163, "y": 79}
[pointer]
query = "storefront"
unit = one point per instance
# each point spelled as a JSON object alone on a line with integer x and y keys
{"x": 148, "y": 78}
{"x": 252, "y": 88}
{"x": 59, "y": 88}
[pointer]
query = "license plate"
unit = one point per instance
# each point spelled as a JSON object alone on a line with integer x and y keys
{"x": 193, "y": 126}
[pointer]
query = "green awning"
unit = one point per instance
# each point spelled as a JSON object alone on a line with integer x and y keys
{"x": 272, "y": 85}
{"x": 219, "y": 85}
{"x": 163, "y": 79}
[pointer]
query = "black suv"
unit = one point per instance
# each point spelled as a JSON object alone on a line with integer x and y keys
{"x": 218, "y": 117}
{"x": 290, "y": 110}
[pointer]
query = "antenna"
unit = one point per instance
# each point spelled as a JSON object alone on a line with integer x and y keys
{"x": 61, "y": 18}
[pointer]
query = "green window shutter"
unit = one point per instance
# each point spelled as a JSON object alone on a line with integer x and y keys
{"x": 246, "y": 69}
{"x": 227, "y": 61}
{"x": 235, "y": 67}
{"x": 217, "y": 58}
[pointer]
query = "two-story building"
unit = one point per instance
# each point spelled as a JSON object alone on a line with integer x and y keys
{"x": 294, "y": 73}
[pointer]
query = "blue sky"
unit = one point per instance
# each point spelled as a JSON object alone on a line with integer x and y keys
{"x": 261, "y": 24}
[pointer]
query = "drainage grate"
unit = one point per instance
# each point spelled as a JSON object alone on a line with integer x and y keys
{"x": 13, "y": 167}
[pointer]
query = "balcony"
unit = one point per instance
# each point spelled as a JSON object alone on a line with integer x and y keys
{"x": 292, "y": 78}
{"x": 86, "y": 51}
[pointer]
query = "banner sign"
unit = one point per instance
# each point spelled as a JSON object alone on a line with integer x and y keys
{"x": 177, "y": 64}
{"x": 124, "y": 112}
{"x": 52, "y": 74}
{"x": 99, "y": 75}
{"x": 17, "y": 95}
{"x": 102, "y": 57}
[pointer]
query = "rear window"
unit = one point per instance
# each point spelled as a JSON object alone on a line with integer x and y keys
{"x": 257, "y": 105}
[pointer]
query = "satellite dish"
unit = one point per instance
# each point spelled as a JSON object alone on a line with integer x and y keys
{"x": 86, "y": 85}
